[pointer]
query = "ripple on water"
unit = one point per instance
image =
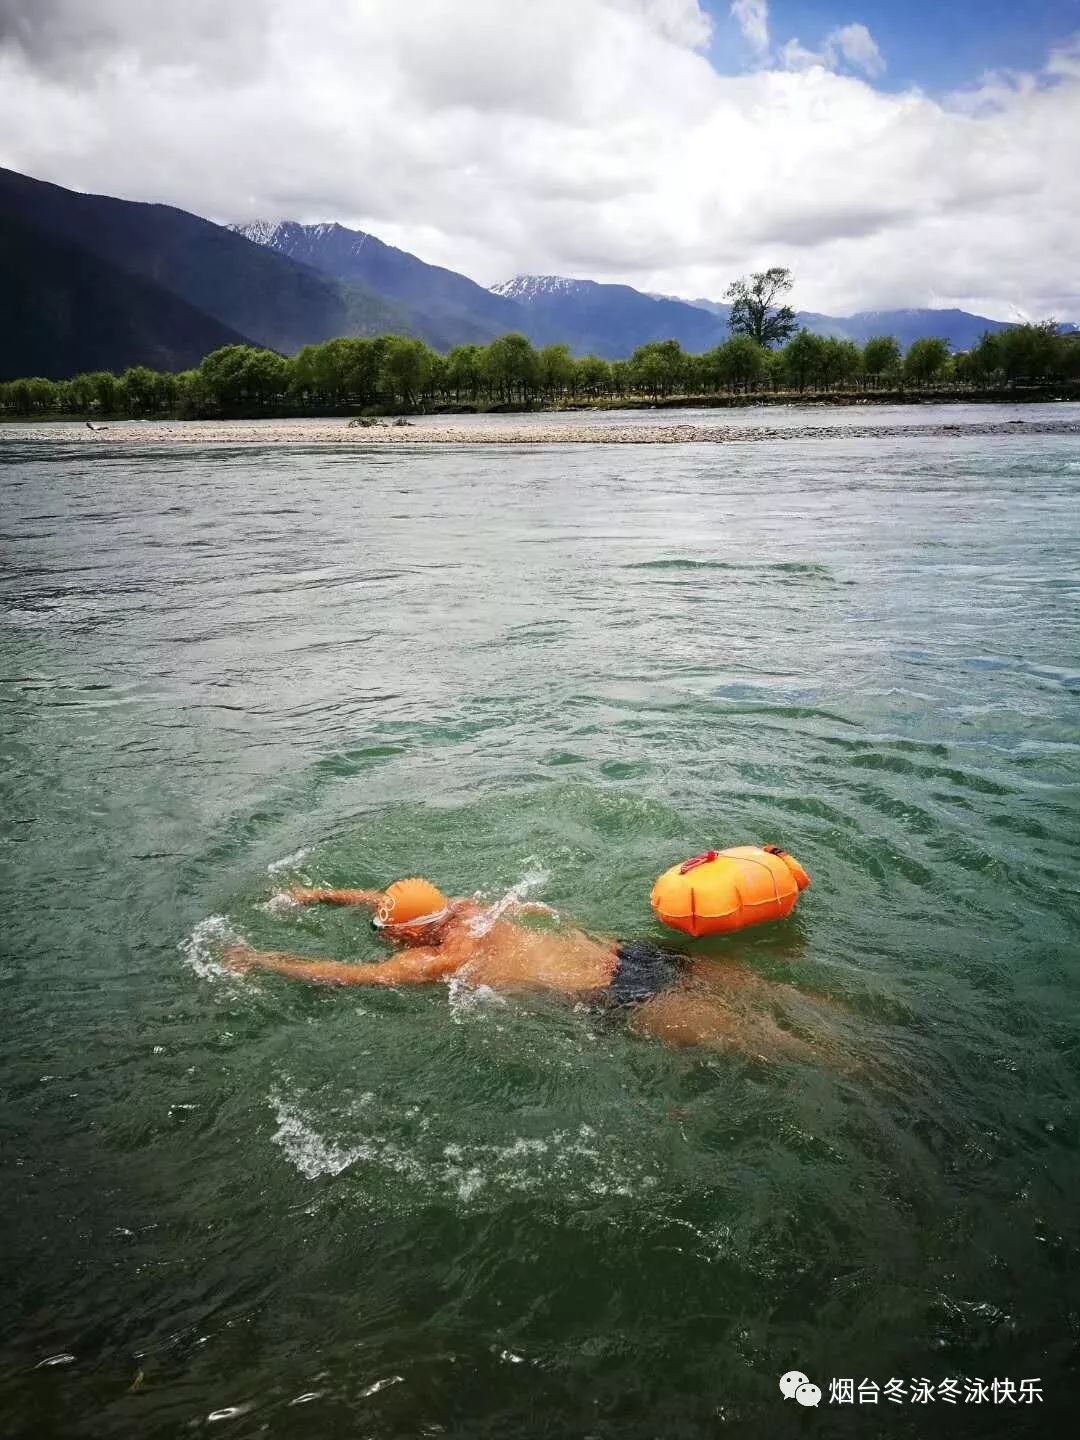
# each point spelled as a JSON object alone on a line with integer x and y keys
{"x": 420, "y": 1167}
{"x": 447, "y": 663}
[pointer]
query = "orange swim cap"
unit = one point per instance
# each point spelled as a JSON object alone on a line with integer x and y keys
{"x": 407, "y": 901}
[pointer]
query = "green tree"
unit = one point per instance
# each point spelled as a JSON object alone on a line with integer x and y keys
{"x": 81, "y": 395}
{"x": 265, "y": 379}
{"x": 881, "y": 357}
{"x": 925, "y": 360}
{"x": 593, "y": 376}
{"x": 43, "y": 395}
{"x": 405, "y": 370}
{"x": 106, "y": 391}
{"x": 229, "y": 379}
{"x": 463, "y": 367}
{"x": 841, "y": 361}
{"x": 739, "y": 363}
{"x": 657, "y": 368}
{"x": 556, "y": 370}
{"x": 1030, "y": 352}
{"x": 511, "y": 368}
{"x": 436, "y": 388}
{"x": 620, "y": 377}
{"x": 192, "y": 399}
{"x": 755, "y": 310}
{"x": 360, "y": 362}
{"x": 802, "y": 360}
{"x": 20, "y": 397}
{"x": 139, "y": 390}
{"x": 1069, "y": 356}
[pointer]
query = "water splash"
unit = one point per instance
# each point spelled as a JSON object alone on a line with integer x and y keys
{"x": 533, "y": 880}
{"x": 203, "y": 946}
{"x": 315, "y": 1156}
{"x": 471, "y": 1001}
{"x": 288, "y": 862}
{"x": 574, "y": 1164}
{"x": 280, "y": 903}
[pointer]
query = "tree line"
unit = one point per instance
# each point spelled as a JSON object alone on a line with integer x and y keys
{"x": 395, "y": 373}
{"x": 765, "y": 355}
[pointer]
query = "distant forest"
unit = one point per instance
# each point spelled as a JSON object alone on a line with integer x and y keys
{"x": 395, "y": 374}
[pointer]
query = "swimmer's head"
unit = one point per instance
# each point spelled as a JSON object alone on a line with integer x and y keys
{"x": 412, "y": 911}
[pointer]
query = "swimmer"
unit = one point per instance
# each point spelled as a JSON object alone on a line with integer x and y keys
{"x": 662, "y": 993}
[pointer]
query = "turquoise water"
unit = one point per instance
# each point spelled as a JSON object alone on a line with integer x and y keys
{"x": 257, "y": 1208}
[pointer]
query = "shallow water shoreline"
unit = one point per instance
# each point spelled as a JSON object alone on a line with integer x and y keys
{"x": 584, "y": 432}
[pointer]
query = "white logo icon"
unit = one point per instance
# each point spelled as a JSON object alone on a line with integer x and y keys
{"x": 790, "y": 1382}
{"x": 796, "y": 1386}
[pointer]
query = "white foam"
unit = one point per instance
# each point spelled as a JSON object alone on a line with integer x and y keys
{"x": 533, "y": 880}
{"x": 305, "y": 1147}
{"x": 287, "y": 862}
{"x": 209, "y": 936}
{"x": 471, "y": 1001}
{"x": 314, "y": 1155}
{"x": 281, "y": 903}
{"x": 575, "y": 1165}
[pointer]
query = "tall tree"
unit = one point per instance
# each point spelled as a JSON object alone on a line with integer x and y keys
{"x": 841, "y": 361}
{"x": 658, "y": 367}
{"x": 463, "y": 370}
{"x": 556, "y": 370}
{"x": 802, "y": 359}
{"x": 755, "y": 307}
{"x": 925, "y": 360}
{"x": 511, "y": 368}
{"x": 405, "y": 368}
{"x": 738, "y": 363}
{"x": 881, "y": 356}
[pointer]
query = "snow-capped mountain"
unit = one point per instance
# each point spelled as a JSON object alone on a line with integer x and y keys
{"x": 608, "y": 320}
{"x": 526, "y": 288}
{"x": 442, "y": 306}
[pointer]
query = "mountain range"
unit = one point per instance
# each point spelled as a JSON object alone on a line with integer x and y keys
{"x": 93, "y": 282}
{"x": 443, "y": 307}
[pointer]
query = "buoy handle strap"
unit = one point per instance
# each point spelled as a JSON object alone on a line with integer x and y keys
{"x": 688, "y": 865}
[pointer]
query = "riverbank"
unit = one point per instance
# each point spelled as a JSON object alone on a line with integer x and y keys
{"x": 520, "y": 430}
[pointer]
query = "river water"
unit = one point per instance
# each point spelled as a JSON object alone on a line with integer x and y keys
{"x": 254, "y": 1208}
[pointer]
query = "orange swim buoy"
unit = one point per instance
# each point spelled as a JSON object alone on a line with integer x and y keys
{"x": 725, "y": 890}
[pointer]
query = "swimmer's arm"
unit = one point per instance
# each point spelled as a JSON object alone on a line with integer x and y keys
{"x": 304, "y": 895}
{"x": 419, "y": 966}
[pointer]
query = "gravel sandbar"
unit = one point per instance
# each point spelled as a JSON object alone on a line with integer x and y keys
{"x": 430, "y": 432}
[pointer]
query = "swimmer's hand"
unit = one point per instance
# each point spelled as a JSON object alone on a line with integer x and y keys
{"x": 240, "y": 958}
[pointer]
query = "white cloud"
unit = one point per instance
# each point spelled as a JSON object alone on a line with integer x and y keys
{"x": 794, "y": 55}
{"x": 858, "y": 47}
{"x": 850, "y": 45}
{"x": 753, "y": 18}
{"x": 587, "y": 137}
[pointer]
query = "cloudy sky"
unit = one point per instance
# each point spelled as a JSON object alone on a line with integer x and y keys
{"x": 891, "y": 152}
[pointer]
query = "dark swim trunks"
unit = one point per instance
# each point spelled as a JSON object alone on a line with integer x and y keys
{"x": 643, "y": 970}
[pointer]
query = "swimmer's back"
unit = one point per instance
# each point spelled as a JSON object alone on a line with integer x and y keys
{"x": 511, "y": 957}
